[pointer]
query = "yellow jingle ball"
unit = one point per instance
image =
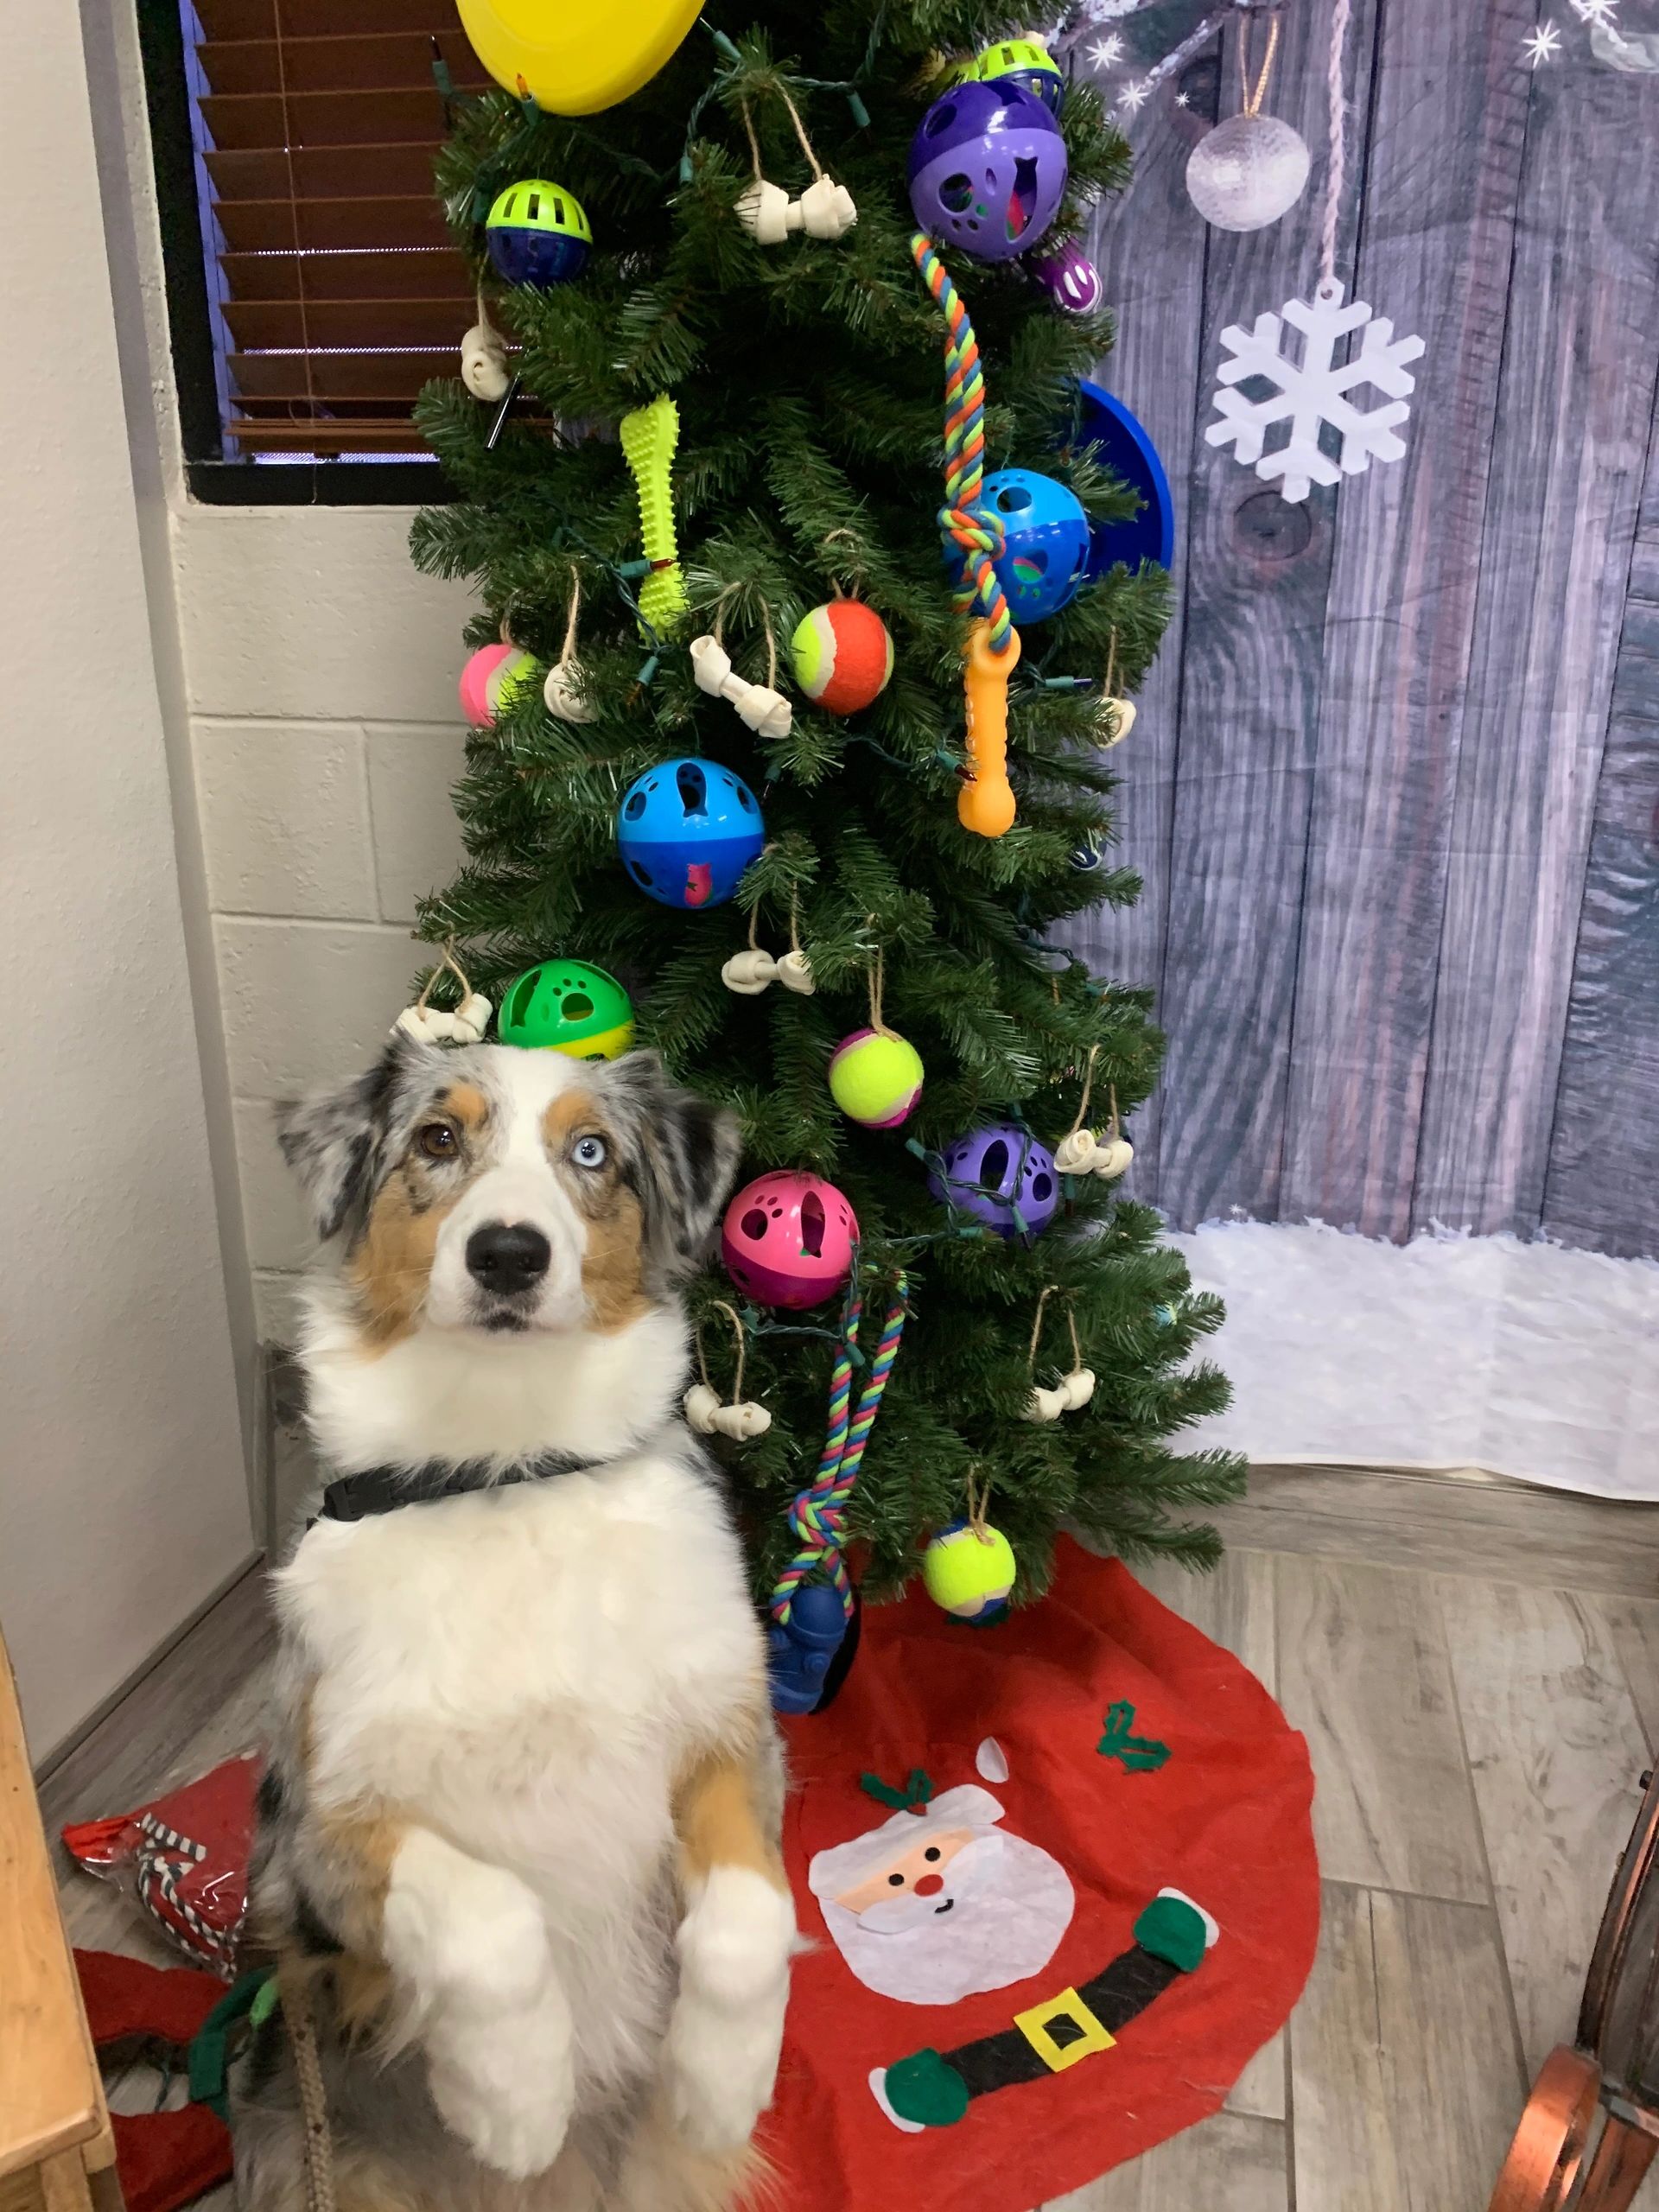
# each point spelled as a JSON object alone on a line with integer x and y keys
{"x": 574, "y": 57}
{"x": 965, "y": 1570}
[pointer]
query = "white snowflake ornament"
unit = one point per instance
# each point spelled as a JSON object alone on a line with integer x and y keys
{"x": 1314, "y": 391}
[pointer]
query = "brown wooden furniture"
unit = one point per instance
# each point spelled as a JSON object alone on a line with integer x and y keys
{"x": 56, "y": 2151}
{"x": 1614, "y": 2062}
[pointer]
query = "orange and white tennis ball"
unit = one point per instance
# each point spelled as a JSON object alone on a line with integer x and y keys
{"x": 841, "y": 654}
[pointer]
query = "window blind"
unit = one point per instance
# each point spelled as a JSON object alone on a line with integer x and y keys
{"x": 335, "y": 292}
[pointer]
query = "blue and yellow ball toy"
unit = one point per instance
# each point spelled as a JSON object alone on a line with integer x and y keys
{"x": 1022, "y": 62}
{"x": 687, "y": 830}
{"x": 1045, "y": 558}
{"x": 538, "y": 234}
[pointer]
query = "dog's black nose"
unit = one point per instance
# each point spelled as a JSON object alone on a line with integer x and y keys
{"x": 508, "y": 1256}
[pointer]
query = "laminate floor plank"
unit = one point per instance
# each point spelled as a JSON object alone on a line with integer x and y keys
{"x": 1229, "y": 2162}
{"x": 1405, "y": 2084}
{"x": 1556, "y": 1751}
{"x": 1234, "y": 1605}
{"x": 1362, "y": 1672}
{"x": 1633, "y": 1624}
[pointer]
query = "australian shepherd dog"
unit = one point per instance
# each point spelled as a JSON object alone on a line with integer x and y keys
{"x": 518, "y": 1856}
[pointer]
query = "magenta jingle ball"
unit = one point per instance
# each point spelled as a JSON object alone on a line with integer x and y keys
{"x": 788, "y": 1239}
{"x": 842, "y": 656}
{"x": 875, "y": 1077}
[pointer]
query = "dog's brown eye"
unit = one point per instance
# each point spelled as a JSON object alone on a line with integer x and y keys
{"x": 437, "y": 1140}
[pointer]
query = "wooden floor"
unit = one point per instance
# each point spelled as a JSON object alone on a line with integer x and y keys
{"x": 1478, "y": 1739}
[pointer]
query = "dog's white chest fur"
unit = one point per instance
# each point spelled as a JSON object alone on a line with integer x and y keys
{"x": 526, "y": 1669}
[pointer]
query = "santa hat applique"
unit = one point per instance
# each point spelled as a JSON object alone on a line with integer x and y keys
{"x": 844, "y": 1865}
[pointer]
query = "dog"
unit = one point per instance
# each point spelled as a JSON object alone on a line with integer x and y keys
{"x": 518, "y": 1857}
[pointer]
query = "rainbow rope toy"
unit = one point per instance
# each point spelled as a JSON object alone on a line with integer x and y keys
{"x": 964, "y": 521}
{"x": 818, "y": 1514}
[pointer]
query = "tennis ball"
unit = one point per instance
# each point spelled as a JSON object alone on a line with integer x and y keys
{"x": 876, "y": 1080}
{"x": 966, "y": 1570}
{"x": 842, "y": 656}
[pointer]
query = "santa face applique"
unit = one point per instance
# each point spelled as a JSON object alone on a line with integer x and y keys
{"x": 939, "y": 1903}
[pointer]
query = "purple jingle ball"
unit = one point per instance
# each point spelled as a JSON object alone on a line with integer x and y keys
{"x": 1068, "y": 278}
{"x": 1001, "y": 1176}
{"x": 986, "y": 170}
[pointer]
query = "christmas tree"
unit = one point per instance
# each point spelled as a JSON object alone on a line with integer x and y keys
{"x": 806, "y": 374}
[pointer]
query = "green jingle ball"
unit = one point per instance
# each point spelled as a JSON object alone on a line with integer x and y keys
{"x": 968, "y": 1571}
{"x": 875, "y": 1077}
{"x": 565, "y": 1006}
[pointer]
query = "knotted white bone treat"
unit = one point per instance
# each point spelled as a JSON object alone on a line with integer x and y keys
{"x": 1122, "y": 714}
{"x": 824, "y": 210}
{"x": 436, "y": 1025}
{"x": 562, "y": 700}
{"x": 708, "y": 1417}
{"x": 767, "y": 713}
{"x": 1082, "y": 1153}
{"x": 1069, "y": 1394}
{"x": 748, "y": 973}
{"x": 484, "y": 368}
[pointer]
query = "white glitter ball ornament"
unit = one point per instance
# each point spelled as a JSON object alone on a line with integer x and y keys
{"x": 1247, "y": 172}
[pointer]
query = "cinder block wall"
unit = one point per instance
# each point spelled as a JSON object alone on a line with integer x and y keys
{"x": 320, "y": 679}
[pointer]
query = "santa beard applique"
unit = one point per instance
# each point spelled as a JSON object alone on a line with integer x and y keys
{"x": 939, "y": 1903}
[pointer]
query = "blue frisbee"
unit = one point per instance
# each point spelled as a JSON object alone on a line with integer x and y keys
{"x": 1124, "y": 448}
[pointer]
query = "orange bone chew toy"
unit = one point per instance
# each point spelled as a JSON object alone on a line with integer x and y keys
{"x": 985, "y": 802}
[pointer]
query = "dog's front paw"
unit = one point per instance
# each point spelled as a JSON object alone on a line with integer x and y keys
{"x": 506, "y": 2083}
{"x": 727, "y": 2024}
{"x": 463, "y": 1935}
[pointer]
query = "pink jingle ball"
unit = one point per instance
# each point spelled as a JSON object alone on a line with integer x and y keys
{"x": 788, "y": 1239}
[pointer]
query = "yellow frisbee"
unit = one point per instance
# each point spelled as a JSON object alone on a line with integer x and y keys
{"x": 574, "y": 57}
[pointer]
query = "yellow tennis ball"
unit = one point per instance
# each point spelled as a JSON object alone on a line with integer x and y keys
{"x": 965, "y": 1570}
{"x": 876, "y": 1080}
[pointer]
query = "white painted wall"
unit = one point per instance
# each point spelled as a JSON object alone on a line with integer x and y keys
{"x": 121, "y": 1489}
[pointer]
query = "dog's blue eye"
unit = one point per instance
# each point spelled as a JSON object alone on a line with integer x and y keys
{"x": 589, "y": 1152}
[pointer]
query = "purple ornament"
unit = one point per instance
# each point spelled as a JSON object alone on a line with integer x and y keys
{"x": 1068, "y": 278}
{"x": 987, "y": 170}
{"x": 1001, "y": 1176}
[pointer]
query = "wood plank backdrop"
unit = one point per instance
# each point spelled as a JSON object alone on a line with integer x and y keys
{"x": 1394, "y": 787}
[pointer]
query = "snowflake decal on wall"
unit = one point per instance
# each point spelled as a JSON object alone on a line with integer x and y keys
{"x": 1313, "y": 391}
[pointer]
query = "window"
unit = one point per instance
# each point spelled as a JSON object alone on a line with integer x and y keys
{"x": 312, "y": 288}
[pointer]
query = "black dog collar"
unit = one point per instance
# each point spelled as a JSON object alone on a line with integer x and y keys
{"x": 386, "y": 1490}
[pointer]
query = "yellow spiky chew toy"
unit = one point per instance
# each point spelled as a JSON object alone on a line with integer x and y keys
{"x": 650, "y": 436}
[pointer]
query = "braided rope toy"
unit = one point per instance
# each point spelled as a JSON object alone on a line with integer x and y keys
{"x": 964, "y": 520}
{"x": 818, "y": 1513}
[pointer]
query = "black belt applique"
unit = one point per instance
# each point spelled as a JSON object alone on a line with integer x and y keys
{"x": 934, "y": 2089}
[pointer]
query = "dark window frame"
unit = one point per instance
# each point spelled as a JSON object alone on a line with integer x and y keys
{"x": 211, "y": 477}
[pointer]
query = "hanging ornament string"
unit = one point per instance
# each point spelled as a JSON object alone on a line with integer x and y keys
{"x": 736, "y": 1319}
{"x": 567, "y": 653}
{"x": 1088, "y": 1086}
{"x": 1252, "y": 97}
{"x": 818, "y": 1514}
{"x": 877, "y": 975}
{"x": 1053, "y": 1290}
{"x": 463, "y": 1024}
{"x": 964, "y": 521}
{"x": 1339, "y": 169}
{"x": 976, "y": 1498}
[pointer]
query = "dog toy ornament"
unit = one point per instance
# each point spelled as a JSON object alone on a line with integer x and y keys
{"x": 787, "y": 1239}
{"x": 567, "y": 1005}
{"x": 1023, "y": 62}
{"x": 575, "y": 57}
{"x": 968, "y": 1570}
{"x": 1001, "y": 1176}
{"x": 988, "y": 169}
{"x": 484, "y": 368}
{"x": 650, "y": 436}
{"x": 1070, "y": 278}
{"x": 708, "y": 1415}
{"x": 1081, "y": 1151}
{"x": 875, "y": 1077}
{"x": 1044, "y": 563}
{"x": 762, "y": 710}
{"x": 824, "y": 210}
{"x": 492, "y": 679}
{"x": 841, "y": 655}
{"x": 687, "y": 830}
{"x": 538, "y": 234}
{"x": 748, "y": 973}
{"x": 800, "y": 1650}
{"x": 985, "y": 804}
{"x": 464, "y": 1024}
{"x": 1075, "y": 1388}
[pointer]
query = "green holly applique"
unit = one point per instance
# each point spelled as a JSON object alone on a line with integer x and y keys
{"x": 1140, "y": 1754}
{"x": 910, "y": 1798}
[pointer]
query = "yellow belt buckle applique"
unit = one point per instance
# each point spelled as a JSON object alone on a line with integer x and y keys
{"x": 1036, "y": 2024}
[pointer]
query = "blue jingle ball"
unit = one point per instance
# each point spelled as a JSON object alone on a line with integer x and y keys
{"x": 1044, "y": 563}
{"x": 687, "y": 830}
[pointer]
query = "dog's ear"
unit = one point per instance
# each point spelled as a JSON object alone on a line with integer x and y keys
{"x": 333, "y": 1139}
{"x": 682, "y": 1153}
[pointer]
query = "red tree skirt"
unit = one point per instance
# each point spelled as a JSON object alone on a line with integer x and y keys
{"x": 1081, "y": 1895}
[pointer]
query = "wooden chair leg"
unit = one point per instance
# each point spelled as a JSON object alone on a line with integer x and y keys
{"x": 1550, "y": 2142}
{"x": 1617, "y": 2171}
